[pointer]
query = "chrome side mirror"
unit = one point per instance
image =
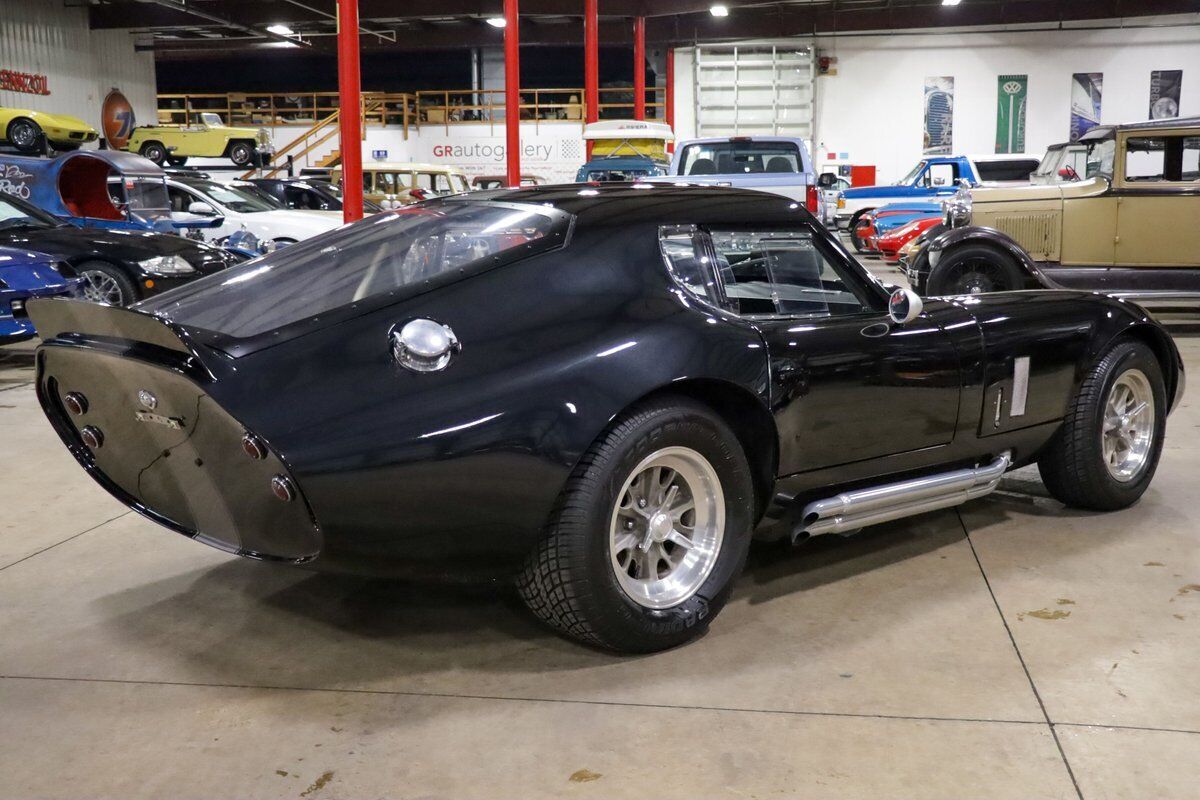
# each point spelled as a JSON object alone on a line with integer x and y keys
{"x": 423, "y": 345}
{"x": 904, "y": 306}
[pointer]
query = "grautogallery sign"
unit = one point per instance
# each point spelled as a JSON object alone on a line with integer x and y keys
{"x": 553, "y": 152}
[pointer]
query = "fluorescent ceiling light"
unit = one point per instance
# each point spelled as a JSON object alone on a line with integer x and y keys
{"x": 497, "y": 22}
{"x": 281, "y": 29}
{"x": 719, "y": 11}
{"x": 951, "y": 2}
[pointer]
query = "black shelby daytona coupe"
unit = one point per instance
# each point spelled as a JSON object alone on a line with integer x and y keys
{"x": 610, "y": 388}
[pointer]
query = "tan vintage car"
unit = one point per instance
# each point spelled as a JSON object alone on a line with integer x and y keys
{"x": 1130, "y": 226}
{"x": 394, "y": 184}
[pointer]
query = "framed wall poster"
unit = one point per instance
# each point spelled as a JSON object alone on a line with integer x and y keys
{"x": 1087, "y": 90}
{"x": 1165, "y": 90}
{"x": 1011, "y": 91}
{"x": 939, "y": 115}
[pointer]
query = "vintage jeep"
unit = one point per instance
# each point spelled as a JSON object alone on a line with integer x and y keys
{"x": 1128, "y": 228}
{"x": 212, "y": 138}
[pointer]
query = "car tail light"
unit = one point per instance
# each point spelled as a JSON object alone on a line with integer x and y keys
{"x": 281, "y": 487}
{"x": 812, "y": 198}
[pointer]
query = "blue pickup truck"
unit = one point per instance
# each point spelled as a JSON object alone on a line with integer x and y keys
{"x": 935, "y": 178}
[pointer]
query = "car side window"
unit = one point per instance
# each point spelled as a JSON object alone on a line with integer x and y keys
{"x": 781, "y": 272}
{"x": 180, "y": 198}
{"x": 1145, "y": 158}
{"x": 686, "y": 252}
{"x": 1190, "y": 163}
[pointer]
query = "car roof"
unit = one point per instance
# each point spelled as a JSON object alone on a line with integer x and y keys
{"x": 652, "y": 203}
{"x": 410, "y": 166}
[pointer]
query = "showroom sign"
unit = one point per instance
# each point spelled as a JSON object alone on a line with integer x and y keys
{"x": 116, "y": 120}
{"x": 24, "y": 82}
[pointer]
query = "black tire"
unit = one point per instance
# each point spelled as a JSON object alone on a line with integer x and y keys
{"x": 155, "y": 151}
{"x": 1073, "y": 465}
{"x": 570, "y": 581}
{"x": 177, "y": 161}
{"x": 859, "y": 245}
{"x": 974, "y": 269}
{"x": 121, "y": 290}
{"x": 241, "y": 154}
{"x": 25, "y": 135}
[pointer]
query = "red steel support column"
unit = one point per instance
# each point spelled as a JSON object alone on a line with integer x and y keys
{"x": 350, "y": 110}
{"x": 670, "y": 98}
{"x": 591, "y": 63}
{"x": 639, "y": 67}
{"x": 512, "y": 92}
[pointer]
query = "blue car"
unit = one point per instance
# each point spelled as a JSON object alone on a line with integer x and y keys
{"x": 932, "y": 179}
{"x": 620, "y": 168}
{"x": 23, "y": 276}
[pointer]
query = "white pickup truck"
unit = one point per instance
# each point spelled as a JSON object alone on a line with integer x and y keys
{"x": 777, "y": 164}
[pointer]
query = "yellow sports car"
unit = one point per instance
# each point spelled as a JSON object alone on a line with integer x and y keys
{"x": 23, "y": 128}
{"x": 210, "y": 138}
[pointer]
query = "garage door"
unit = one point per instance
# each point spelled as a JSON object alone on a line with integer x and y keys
{"x": 749, "y": 89}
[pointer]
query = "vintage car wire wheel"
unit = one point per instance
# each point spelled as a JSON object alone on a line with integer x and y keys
{"x": 23, "y": 134}
{"x": 1127, "y": 433}
{"x": 100, "y": 287}
{"x": 978, "y": 276}
{"x": 666, "y": 527}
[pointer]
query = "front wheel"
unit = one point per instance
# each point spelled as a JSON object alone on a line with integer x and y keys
{"x": 104, "y": 283}
{"x": 241, "y": 154}
{"x": 974, "y": 269}
{"x": 1107, "y": 450}
{"x": 860, "y": 244}
{"x": 25, "y": 135}
{"x": 653, "y": 526}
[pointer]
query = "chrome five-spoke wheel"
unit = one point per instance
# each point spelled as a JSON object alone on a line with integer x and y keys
{"x": 1128, "y": 428}
{"x": 100, "y": 287}
{"x": 666, "y": 527}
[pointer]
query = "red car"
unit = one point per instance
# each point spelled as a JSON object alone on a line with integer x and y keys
{"x": 890, "y": 243}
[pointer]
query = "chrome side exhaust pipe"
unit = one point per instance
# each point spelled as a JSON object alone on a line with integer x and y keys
{"x": 850, "y": 511}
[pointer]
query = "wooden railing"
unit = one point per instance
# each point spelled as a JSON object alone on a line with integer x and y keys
{"x": 403, "y": 109}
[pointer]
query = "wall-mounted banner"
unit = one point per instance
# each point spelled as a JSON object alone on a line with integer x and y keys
{"x": 1087, "y": 89}
{"x": 1010, "y": 113}
{"x": 1165, "y": 89}
{"x": 24, "y": 82}
{"x": 939, "y": 115}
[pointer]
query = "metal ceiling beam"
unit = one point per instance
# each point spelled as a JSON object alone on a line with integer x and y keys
{"x": 190, "y": 9}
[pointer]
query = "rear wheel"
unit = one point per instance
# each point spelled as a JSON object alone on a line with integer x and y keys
{"x": 155, "y": 151}
{"x": 642, "y": 549}
{"x": 241, "y": 153}
{"x": 25, "y": 135}
{"x": 974, "y": 269}
{"x": 104, "y": 283}
{"x": 1107, "y": 450}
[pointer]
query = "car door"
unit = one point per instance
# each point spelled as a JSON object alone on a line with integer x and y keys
{"x": 846, "y": 383}
{"x": 1158, "y": 201}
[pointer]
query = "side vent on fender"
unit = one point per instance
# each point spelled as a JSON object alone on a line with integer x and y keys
{"x": 1036, "y": 232}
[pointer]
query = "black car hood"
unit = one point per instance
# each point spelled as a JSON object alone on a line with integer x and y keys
{"x": 73, "y": 245}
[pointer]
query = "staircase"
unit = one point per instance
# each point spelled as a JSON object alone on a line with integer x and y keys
{"x": 313, "y": 137}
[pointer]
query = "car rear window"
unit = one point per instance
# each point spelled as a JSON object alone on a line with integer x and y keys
{"x": 1016, "y": 169}
{"x": 406, "y": 248}
{"x": 737, "y": 157}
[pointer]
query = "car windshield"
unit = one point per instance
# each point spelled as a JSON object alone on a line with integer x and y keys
{"x": 1050, "y": 161}
{"x": 233, "y": 198}
{"x": 397, "y": 249}
{"x": 911, "y": 177}
{"x": 211, "y": 119}
{"x": 261, "y": 194}
{"x": 16, "y": 213}
{"x": 737, "y": 157}
{"x": 1100, "y": 158}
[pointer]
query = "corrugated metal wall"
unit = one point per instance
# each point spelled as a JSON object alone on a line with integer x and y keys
{"x": 46, "y": 37}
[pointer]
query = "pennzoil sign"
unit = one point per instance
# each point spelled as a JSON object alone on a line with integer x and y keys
{"x": 24, "y": 82}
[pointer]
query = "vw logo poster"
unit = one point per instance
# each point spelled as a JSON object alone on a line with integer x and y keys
{"x": 1010, "y": 113}
{"x": 939, "y": 115}
{"x": 1087, "y": 89}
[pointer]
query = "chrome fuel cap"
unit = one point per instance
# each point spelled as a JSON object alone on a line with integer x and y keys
{"x": 423, "y": 345}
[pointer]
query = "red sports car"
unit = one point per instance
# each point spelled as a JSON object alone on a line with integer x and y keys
{"x": 890, "y": 243}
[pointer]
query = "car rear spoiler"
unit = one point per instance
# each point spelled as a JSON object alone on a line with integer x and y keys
{"x": 61, "y": 318}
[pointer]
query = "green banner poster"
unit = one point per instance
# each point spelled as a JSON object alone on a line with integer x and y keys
{"x": 1010, "y": 113}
